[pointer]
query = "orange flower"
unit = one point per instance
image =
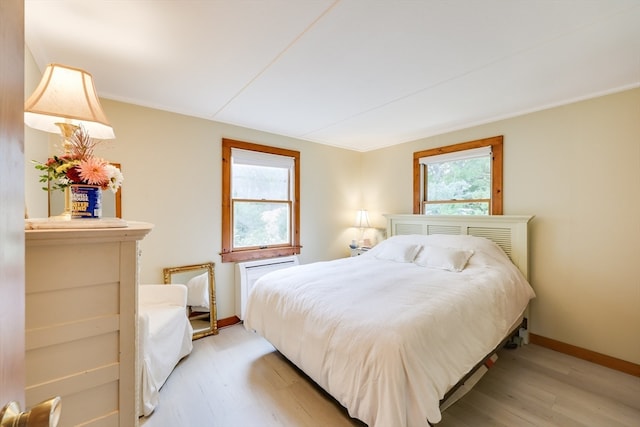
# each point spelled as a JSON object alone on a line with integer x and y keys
{"x": 93, "y": 171}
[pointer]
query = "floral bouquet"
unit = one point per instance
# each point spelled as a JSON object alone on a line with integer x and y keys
{"x": 79, "y": 166}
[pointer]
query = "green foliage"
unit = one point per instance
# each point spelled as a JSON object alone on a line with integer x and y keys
{"x": 468, "y": 179}
{"x": 261, "y": 214}
{"x": 260, "y": 182}
{"x": 55, "y": 172}
{"x": 258, "y": 224}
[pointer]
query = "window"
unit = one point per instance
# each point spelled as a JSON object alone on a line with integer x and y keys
{"x": 260, "y": 201}
{"x": 460, "y": 179}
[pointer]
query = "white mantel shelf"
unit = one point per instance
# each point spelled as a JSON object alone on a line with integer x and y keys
{"x": 81, "y": 322}
{"x": 132, "y": 230}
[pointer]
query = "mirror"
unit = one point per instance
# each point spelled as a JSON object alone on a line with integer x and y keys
{"x": 201, "y": 295}
{"x": 111, "y": 202}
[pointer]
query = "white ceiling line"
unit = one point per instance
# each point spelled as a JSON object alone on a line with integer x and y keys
{"x": 276, "y": 58}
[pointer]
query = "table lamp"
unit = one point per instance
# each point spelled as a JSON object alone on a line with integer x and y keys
{"x": 64, "y": 100}
{"x": 362, "y": 223}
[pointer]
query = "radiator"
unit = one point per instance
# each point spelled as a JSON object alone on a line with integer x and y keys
{"x": 248, "y": 272}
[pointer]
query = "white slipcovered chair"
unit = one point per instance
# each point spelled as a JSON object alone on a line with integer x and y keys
{"x": 164, "y": 338}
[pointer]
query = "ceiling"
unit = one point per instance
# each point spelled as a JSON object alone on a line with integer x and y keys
{"x": 357, "y": 74}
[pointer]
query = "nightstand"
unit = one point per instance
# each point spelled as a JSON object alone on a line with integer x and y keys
{"x": 358, "y": 251}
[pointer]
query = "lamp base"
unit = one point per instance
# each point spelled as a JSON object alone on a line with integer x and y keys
{"x": 64, "y": 216}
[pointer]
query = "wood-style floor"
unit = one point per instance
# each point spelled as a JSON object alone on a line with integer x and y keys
{"x": 237, "y": 379}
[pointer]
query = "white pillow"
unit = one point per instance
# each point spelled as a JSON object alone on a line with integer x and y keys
{"x": 198, "y": 291}
{"x": 443, "y": 258}
{"x": 397, "y": 251}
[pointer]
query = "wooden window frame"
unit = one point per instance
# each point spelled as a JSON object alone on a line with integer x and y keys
{"x": 496, "y": 144}
{"x": 228, "y": 254}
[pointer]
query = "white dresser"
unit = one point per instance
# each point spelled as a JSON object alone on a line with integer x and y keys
{"x": 81, "y": 318}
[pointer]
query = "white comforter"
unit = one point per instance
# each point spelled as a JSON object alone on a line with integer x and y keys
{"x": 388, "y": 339}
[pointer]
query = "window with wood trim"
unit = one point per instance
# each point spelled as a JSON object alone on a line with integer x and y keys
{"x": 260, "y": 201}
{"x": 459, "y": 179}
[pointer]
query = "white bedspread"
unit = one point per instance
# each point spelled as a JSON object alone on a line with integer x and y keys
{"x": 388, "y": 339}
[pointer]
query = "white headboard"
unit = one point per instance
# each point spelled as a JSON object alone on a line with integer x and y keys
{"x": 510, "y": 232}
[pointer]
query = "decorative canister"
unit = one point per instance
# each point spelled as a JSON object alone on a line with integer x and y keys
{"x": 86, "y": 201}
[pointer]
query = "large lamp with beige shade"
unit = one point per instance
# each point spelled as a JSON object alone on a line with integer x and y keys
{"x": 64, "y": 100}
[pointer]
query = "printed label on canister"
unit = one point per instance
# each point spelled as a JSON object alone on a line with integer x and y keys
{"x": 86, "y": 201}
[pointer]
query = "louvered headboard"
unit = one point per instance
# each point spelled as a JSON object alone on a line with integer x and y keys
{"x": 510, "y": 232}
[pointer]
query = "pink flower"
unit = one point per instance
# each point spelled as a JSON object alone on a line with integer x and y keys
{"x": 93, "y": 171}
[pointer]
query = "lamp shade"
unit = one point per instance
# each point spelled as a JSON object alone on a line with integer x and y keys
{"x": 66, "y": 95}
{"x": 362, "y": 219}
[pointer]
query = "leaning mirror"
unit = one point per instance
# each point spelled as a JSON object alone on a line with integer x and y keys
{"x": 201, "y": 295}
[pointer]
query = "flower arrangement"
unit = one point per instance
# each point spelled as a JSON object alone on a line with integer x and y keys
{"x": 79, "y": 166}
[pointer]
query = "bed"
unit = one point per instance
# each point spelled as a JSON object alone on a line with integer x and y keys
{"x": 389, "y": 333}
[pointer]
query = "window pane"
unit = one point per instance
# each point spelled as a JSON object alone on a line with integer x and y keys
{"x": 459, "y": 180}
{"x": 260, "y": 182}
{"x": 474, "y": 208}
{"x": 257, "y": 224}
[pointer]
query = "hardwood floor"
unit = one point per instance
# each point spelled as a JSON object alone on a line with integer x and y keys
{"x": 237, "y": 379}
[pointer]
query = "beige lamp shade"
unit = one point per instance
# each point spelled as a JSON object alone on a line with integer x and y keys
{"x": 66, "y": 95}
{"x": 362, "y": 219}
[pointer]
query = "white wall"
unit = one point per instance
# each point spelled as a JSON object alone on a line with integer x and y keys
{"x": 577, "y": 169}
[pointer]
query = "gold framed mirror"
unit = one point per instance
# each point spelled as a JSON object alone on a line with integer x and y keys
{"x": 201, "y": 295}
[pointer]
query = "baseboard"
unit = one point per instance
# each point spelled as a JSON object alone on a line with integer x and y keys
{"x": 228, "y": 321}
{"x": 591, "y": 356}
